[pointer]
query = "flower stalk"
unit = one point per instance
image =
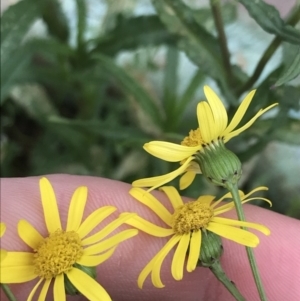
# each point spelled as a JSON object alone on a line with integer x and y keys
{"x": 232, "y": 187}
{"x": 8, "y": 293}
{"x": 221, "y": 276}
{"x": 210, "y": 254}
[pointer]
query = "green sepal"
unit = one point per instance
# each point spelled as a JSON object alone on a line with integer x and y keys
{"x": 211, "y": 249}
{"x": 219, "y": 164}
{"x": 69, "y": 287}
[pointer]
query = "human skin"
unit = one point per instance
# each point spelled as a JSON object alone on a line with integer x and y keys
{"x": 277, "y": 255}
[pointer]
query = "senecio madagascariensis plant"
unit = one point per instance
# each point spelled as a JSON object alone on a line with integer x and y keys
{"x": 208, "y": 139}
{"x": 186, "y": 225}
{"x": 65, "y": 254}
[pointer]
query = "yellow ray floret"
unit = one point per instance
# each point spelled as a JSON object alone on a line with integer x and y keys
{"x": 212, "y": 127}
{"x": 59, "y": 254}
{"x": 185, "y": 225}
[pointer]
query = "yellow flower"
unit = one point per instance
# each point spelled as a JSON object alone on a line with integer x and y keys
{"x": 58, "y": 255}
{"x": 213, "y": 129}
{"x": 186, "y": 225}
{"x": 3, "y": 253}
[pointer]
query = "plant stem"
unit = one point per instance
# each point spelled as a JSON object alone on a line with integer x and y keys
{"x": 233, "y": 188}
{"x": 216, "y": 11}
{"x": 8, "y": 292}
{"x": 292, "y": 20}
{"x": 221, "y": 276}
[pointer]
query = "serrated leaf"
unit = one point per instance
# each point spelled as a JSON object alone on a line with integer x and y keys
{"x": 268, "y": 17}
{"x": 132, "y": 33}
{"x": 55, "y": 19}
{"x": 291, "y": 71}
{"x": 131, "y": 87}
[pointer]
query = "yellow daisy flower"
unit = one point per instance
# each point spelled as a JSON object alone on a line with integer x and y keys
{"x": 213, "y": 129}
{"x": 186, "y": 225}
{"x": 60, "y": 253}
{"x": 2, "y": 231}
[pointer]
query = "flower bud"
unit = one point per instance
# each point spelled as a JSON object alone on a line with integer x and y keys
{"x": 219, "y": 164}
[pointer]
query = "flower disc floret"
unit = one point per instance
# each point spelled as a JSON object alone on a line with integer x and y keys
{"x": 192, "y": 216}
{"x": 57, "y": 253}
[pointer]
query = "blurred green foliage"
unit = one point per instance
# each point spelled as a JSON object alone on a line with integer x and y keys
{"x": 76, "y": 107}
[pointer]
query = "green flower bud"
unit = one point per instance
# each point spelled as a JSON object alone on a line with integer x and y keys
{"x": 219, "y": 164}
{"x": 211, "y": 249}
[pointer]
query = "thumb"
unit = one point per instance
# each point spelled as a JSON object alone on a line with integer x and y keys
{"x": 277, "y": 255}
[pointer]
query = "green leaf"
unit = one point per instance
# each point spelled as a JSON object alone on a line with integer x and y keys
{"x": 15, "y": 22}
{"x": 131, "y": 87}
{"x": 81, "y": 23}
{"x": 201, "y": 47}
{"x": 14, "y": 70}
{"x": 55, "y": 19}
{"x": 267, "y": 16}
{"x": 101, "y": 128}
{"x": 292, "y": 70}
{"x": 129, "y": 34}
{"x": 198, "y": 44}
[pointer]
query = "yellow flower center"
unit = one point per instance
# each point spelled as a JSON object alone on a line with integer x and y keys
{"x": 193, "y": 139}
{"x": 191, "y": 216}
{"x": 57, "y": 253}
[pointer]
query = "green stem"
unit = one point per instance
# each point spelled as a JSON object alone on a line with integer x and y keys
{"x": 292, "y": 20}
{"x": 216, "y": 11}
{"x": 233, "y": 188}
{"x": 8, "y": 292}
{"x": 221, "y": 276}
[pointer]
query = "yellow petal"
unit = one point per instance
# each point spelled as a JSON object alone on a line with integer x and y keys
{"x": 153, "y": 203}
{"x": 155, "y": 182}
{"x": 206, "y": 122}
{"x": 240, "y": 236}
{"x": 157, "y": 260}
{"x": 170, "y": 152}
{"x": 50, "y": 208}
{"x": 218, "y": 109}
{"x": 16, "y": 274}
{"x": 187, "y": 179}
{"x": 260, "y": 188}
{"x": 110, "y": 242}
{"x": 173, "y": 195}
{"x": 149, "y": 228}
{"x": 34, "y": 289}
{"x": 239, "y": 114}
{"x": 179, "y": 256}
{"x": 155, "y": 275}
{"x": 205, "y": 199}
{"x": 15, "y": 259}
{"x": 94, "y": 219}
{"x": 76, "y": 208}
{"x": 195, "y": 246}
{"x": 2, "y": 229}
{"x": 88, "y": 287}
{"x": 59, "y": 288}
{"x": 232, "y": 222}
{"x": 248, "y": 124}
{"x": 44, "y": 290}
{"x": 29, "y": 234}
{"x": 3, "y": 254}
{"x": 107, "y": 230}
{"x": 94, "y": 260}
